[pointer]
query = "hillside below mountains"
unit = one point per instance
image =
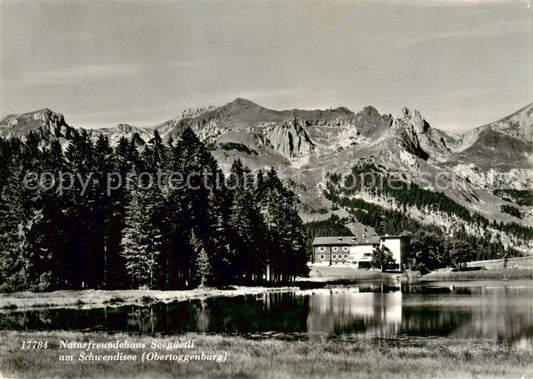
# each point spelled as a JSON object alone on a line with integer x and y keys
{"x": 487, "y": 170}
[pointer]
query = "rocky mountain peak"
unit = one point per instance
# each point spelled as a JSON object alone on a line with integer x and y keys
{"x": 125, "y": 128}
{"x": 370, "y": 123}
{"x": 415, "y": 119}
{"x": 370, "y": 111}
{"x": 406, "y": 134}
{"x": 417, "y": 133}
{"x": 518, "y": 124}
{"x": 193, "y": 112}
{"x": 45, "y": 121}
{"x": 239, "y": 101}
{"x": 343, "y": 110}
{"x": 240, "y": 105}
{"x": 497, "y": 155}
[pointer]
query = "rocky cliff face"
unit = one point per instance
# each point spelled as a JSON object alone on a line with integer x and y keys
{"x": 45, "y": 122}
{"x": 407, "y": 129}
{"x": 420, "y": 138}
{"x": 288, "y": 139}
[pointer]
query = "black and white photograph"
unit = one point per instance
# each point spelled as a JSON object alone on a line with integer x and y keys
{"x": 266, "y": 189}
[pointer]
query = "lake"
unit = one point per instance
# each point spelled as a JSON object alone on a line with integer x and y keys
{"x": 499, "y": 311}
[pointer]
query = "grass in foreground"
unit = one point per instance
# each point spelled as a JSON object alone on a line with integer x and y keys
{"x": 313, "y": 358}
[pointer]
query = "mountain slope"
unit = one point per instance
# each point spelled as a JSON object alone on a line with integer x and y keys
{"x": 496, "y": 155}
{"x": 307, "y": 146}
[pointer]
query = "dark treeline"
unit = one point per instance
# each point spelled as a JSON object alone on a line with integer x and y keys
{"x": 431, "y": 247}
{"x": 521, "y": 197}
{"x": 140, "y": 233}
{"x": 511, "y": 210}
{"x": 371, "y": 178}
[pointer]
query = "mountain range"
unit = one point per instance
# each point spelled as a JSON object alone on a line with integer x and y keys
{"x": 486, "y": 170}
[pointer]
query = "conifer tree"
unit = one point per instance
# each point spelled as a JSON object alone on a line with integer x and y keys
{"x": 216, "y": 241}
{"x": 141, "y": 239}
{"x": 202, "y": 270}
{"x": 286, "y": 235}
{"x": 27, "y": 253}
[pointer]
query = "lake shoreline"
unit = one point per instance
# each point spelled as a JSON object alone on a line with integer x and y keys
{"x": 340, "y": 274}
{"x": 495, "y": 274}
{"x": 317, "y": 356}
{"x": 86, "y": 299}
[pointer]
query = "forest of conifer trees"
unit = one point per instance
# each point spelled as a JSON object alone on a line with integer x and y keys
{"x": 108, "y": 225}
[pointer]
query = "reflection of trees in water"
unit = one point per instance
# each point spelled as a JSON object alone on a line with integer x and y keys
{"x": 241, "y": 314}
{"x": 499, "y": 313}
{"x": 143, "y": 319}
{"x": 281, "y": 312}
{"x": 430, "y": 321}
{"x": 28, "y": 320}
{"x": 13, "y": 320}
{"x": 431, "y": 290}
{"x": 202, "y": 316}
{"x": 181, "y": 316}
{"x": 379, "y": 288}
{"x": 503, "y": 315}
{"x": 388, "y": 312}
{"x": 45, "y": 318}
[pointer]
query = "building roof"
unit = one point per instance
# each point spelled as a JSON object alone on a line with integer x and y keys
{"x": 345, "y": 240}
{"x": 369, "y": 241}
{"x": 395, "y": 237}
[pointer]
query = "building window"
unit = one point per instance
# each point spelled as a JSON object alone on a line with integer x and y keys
{"x": 335, "y": 248}
{"x": 322, "y": 248}
{"x": 345, "y": 248}
{"x": 345, "y": 256}
{"x": 368, "y": 254}
{"x": 334, "y": 256}
{"x": 321, "y": 256}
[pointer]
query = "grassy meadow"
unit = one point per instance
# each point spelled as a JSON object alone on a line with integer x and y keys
{"x": 497, "y": 274}
{"x": 316, "y": 357}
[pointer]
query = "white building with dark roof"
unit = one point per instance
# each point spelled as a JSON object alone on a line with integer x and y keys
{"x": 351, "y": 250}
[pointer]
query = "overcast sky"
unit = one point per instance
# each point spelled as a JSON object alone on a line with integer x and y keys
{"x": 461, "y": 63}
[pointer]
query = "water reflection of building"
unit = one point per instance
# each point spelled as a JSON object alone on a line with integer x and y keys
{"x": 348, "y": 310}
